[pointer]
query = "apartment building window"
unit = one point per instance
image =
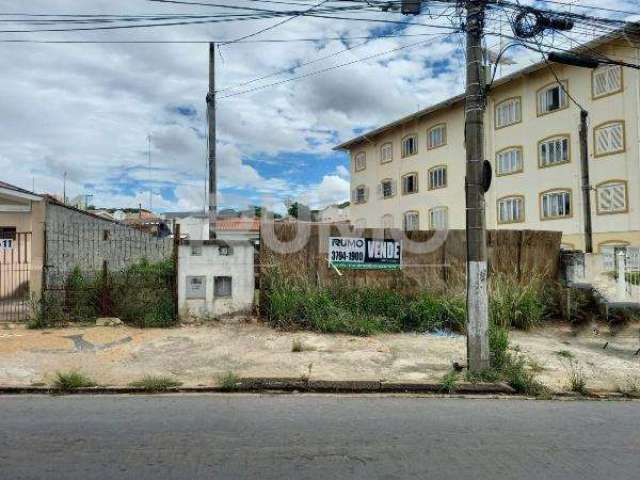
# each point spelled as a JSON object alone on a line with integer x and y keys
{"x": 386, "y": 153}
{"x": 609, "y": 251}
{"x": 386, "y": 188}
{"x": 387, "y": 221}
{"x": 612, "y": 197}
{"x": 609, "y": 138}
{"x": 409, "y": 145}
{"x": 508, "y": 112}
{"x": 410, "y": 183}
{"x": 509, "y": 161}
{"x": 196, "y": 250}
{"x": 439, "y": 218}
{"x": 360, "y": 162}
{"x": 552, "y": 98}
{"x": 511, "y": 209}
{"x": 437, "y": 177}
{"x": 360, "y": 194}
{"x": 606, "y": 80}
{"x": 553, "y": 151}
{"x": 411, "y": 221}
{"x": 555, "y": 204}
{"x": 437, "y": 136}
{"x": 222, "y": 286}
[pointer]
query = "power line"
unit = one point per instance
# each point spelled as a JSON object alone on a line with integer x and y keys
{"x": 325, "y": 57}
{"x": 324, "y": 70}
{"x": 276, "y": 25}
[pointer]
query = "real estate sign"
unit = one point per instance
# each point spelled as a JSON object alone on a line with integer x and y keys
{"x": 365, "y": 253}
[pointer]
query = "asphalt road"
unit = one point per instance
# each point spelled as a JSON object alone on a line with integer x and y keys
{"x": 317, "y": 437}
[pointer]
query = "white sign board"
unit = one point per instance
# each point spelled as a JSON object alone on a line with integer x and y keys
{"x": 365, "y": 253}
{"x": 6, "y": 243}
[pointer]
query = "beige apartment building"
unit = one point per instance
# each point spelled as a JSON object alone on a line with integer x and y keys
{"x": 410, "y": 173}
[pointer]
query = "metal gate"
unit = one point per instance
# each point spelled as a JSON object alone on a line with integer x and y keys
{"x": 15, "y": 277}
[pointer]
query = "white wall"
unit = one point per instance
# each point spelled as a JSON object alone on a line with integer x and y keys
{"x": 195, "y": 228}
{"x": 238, "y": 266}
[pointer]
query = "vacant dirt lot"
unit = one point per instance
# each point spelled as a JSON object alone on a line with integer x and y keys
{"x": 198, "y": 355}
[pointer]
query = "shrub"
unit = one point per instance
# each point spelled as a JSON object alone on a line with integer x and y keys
{"x": 72, "y": 380}
{"x": 228, "y": 382}
{"x": 449, "y": 382}
{"x": 46, "y": 312}
{"x": 156, "y": 384}
{"x": 80, "y": 302}
{"x": 142, "y": 294}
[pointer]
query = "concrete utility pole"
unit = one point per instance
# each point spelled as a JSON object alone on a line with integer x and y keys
{"x": 211, "y": 118}
{"x": 586, "y": 182}
{"x": 478, "y": 355}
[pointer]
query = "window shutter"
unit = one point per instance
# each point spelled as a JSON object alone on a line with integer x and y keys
{"x": 354, "y": 196}
{"x": 380, "y": 190}
{"x": 366, "y": 194}
{"x": 617, "y": 137}
{"x": 394, "y": 187}
{"x": 604, "y": 199}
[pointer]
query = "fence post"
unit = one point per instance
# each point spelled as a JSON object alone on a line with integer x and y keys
{"x": 176, "y": 247}
{"x": 622, "y": 280}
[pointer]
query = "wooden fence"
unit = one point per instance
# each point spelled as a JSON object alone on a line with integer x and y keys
{"x": 518, "y": 254}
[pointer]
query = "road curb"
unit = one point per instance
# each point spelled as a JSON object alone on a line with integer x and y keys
{"x": 282, "y": 385}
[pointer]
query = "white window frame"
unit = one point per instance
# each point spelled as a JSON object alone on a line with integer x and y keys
{"x": 512, "y": 159}
{"x": 414, "y": 150}
{"x": 511, "y": 209}
{"x": 609, "y": 138}
{"x": 439, "y": 218}
{"x": 360, "y": 162}
{"x": 553, "y": 204}
{"x": 386, "y": 194}
{"x": 405, "y": 190}
{"x": 548, "y": 155}
{"x": 387, "y": 221}
{"x": 411, "y": 221}
{"x": 610, "y": 78}
{"x": 508, "y": 112}
{"x": 437, "y": 177}
{"x": 386, "y": 152}
{"x": 606, "y": 192}
{"x": 543, "y": 98}
{"x": 193, "y": 294}
{"x": 217, "y": 288}
{"x": 357, "y": 197}
{"x": 434, "y": 141}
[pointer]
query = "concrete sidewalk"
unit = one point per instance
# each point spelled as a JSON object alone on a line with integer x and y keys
{"x": 199, "y": 355}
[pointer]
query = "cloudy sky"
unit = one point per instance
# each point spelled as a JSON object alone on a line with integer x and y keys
{"x": 87, "y": 108}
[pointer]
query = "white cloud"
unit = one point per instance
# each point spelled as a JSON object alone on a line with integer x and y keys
{"x": 86, "y": 109}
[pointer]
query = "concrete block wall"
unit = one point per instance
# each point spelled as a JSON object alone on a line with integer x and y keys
{"x": 75, "y": 238}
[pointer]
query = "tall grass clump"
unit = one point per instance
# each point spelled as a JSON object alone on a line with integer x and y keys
{"x": 353, "y": 310}
{"x": 73, "y": 380}
{"x": 517, "y": 304}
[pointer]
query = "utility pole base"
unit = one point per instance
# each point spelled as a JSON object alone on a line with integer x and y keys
{"x": 478, "y": 353}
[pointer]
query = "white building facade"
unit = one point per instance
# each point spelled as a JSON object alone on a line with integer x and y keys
{"x": 411, "y": 172}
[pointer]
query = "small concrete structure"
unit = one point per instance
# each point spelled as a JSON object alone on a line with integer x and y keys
{"x": 215, "y": 278}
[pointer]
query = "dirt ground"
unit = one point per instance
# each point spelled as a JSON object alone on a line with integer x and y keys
{"x": 199, "y": 355}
